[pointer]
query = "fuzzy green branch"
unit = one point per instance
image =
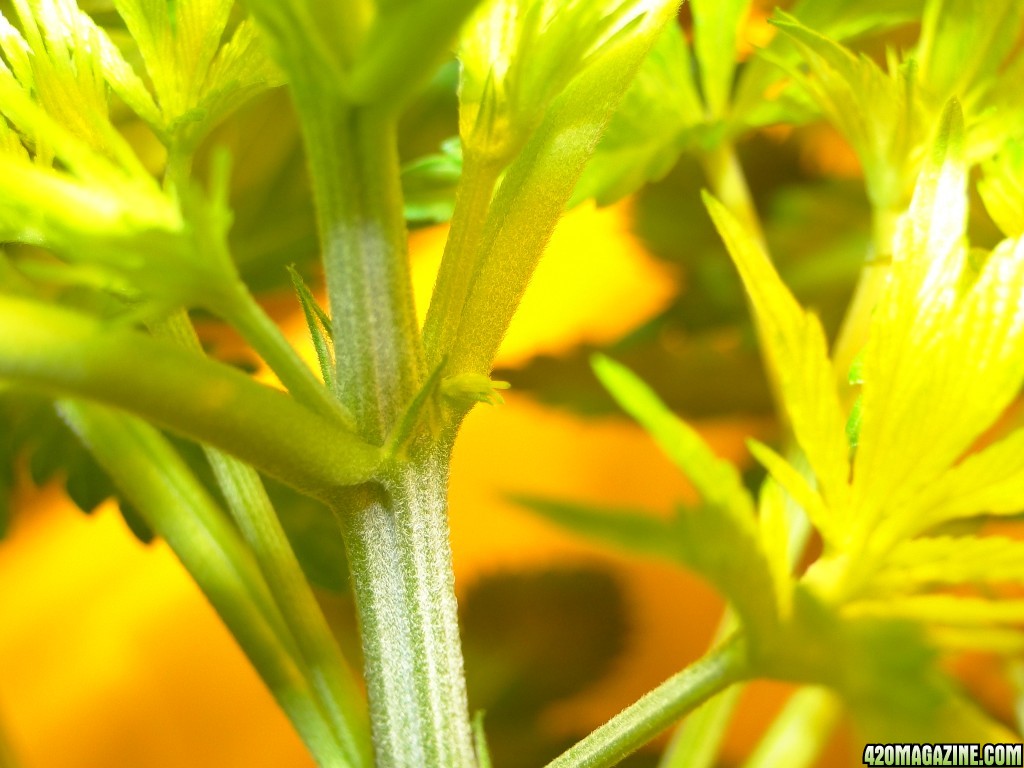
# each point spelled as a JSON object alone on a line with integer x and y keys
{"x": 70, "y": 353}
{"x": 657, "y": 710}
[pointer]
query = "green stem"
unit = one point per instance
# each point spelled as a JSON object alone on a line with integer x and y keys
{"x": 476, "y": 187}
{"x": 729, "y": 184}
{"x": 353, "y": 160}
{"x": 642, "y": 721}
{"x": 75, "y": 354}
{"x": 254, "y": 514}
{"x": 698, "y": 739}
{"x": 157, "y": 482}
{"x": 400, "y": 560}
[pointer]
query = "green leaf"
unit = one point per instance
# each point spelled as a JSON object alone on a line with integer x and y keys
{"x": 483, "y": 753}
{"x": 716, "y": 27}
{"x": 961, "y": 51}
{"x": 729, "y": 553}
{"x": 59, "y": 62}
{"x": 319, "y": 325}
{"x": 196, "y": 79}
{"x": 756, "y": 102}
{"x": 797, "y": 354}
{"x": 719, "y": 539}
{"x": 625, "y": 530}
{"x": 879, "y": 113}
{"x": 717, "y": 481}
{"x": 519, "y": 56}
{"x": 429, "y": 184}
{"x": 240, "y": 71}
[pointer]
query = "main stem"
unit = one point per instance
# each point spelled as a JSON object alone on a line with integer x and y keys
{"x": 353, "y": 158}
{"x": 399, "y": 555}
{"x": 396, "y": 529}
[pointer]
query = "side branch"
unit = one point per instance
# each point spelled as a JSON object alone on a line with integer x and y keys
{"x": 657, "y": 710}
{"x": 70, "y": 353}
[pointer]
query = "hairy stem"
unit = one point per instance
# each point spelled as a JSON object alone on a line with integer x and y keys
{"x": 642, "y": 721}
{"x": 74, "y": 354}
{"x": 353, "y": 160}
{"x": 400, "y": 559}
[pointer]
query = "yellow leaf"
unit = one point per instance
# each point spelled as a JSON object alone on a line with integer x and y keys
{"x": 796, "y": 349}
{"x": 945, "y": 354}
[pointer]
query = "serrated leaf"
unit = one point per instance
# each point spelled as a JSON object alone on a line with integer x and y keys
{"x": 728, "y": 552}
{"x": 177, "y": 42}
{"x": 951, "y": 560}
{"x": 196, "y": 79}
{"x": 719, "y": 539}
{"x": 797, "y": 355}
{"x": 319, "y": 325}
{"x": 756, "y": 102}
{"x": 945, "y": 354}
{"x": 716, "y": 480}
{"x": 962, "y": 48}
{"x": 879, "y": 113}
{"x": 518, "y": 56}
{"x": 626, "y": 530}
{"x": 990, "y": 481}
{"x": 240, "y": 71}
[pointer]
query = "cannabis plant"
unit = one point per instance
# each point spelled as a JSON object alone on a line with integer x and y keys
{"x": 114, "y": 247}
